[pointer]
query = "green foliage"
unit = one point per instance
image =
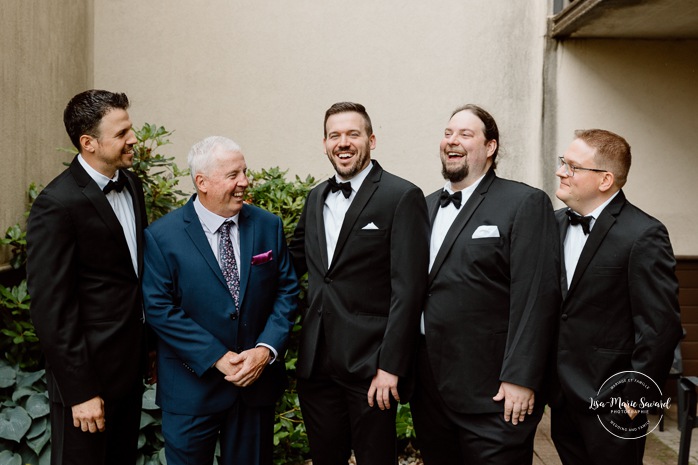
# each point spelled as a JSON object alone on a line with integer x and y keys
{"x": 25, "y": 429}
{"x": 18, "y": 342}
{"x": 24, "y": 425}
{"x": 16, "y": 236}
{"x": 159, "y": 174}
{"x": 270, "y": 190}
{"x": 403, "y": 422}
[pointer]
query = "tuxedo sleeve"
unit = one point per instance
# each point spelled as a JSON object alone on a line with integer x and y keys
{"x": 193, "y": 344}
{"x": 52, "y": 271}
{"x": 534, "y": 291}
{"x": 409, "y": 262}
{"x": 653, "y": 293}
{"x": 280, "y": 321}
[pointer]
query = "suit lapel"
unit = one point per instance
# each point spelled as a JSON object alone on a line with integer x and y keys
{"x": 94, "y": 194}
{"x": 195, "y": 231}
{"x": 247, "y": 235}
{"x": 139, "y": 215}
{"x": 606, "y": 220}
{"x": 368, "y": 187}
{"x": 461, "y": 220}
{"x": 320, "y": 223}
{"x": 563, "y": 224}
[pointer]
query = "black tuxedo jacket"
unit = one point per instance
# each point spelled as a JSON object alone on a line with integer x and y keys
{"x": 86, "y": 299}
{"x": 368, "y": 301}
{"x": 491, "y": 301}
{"x": 621, "y": 312}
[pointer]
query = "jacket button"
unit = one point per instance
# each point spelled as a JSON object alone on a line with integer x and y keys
{"x": 564, "y": 317}
{"x": 234, "y": 316}
{"x": 327, "y": 280}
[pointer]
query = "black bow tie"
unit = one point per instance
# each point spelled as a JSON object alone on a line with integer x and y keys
{"x": 576, "y": 219}
{"x": 335, "y": 186}
{"x": 446, "y": 198}
{"x": 117, "y": 186}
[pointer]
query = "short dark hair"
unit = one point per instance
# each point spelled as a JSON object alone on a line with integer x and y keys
{"x": 491, "y": 129}
{"x": 612, "y": 152}
{"x": 343, "y": 107}
{"x": 85, "y": 111}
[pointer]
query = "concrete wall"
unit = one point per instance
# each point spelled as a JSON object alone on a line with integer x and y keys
{"x": 646, "y": 91}
{"x": 43, "y": 53}
{"x": 264, "y": 72}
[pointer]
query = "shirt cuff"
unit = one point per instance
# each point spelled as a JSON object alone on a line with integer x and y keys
{"x": 274, "y": 353}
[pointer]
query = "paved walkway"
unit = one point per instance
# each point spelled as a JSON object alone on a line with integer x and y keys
{"x": 662, "y": 447}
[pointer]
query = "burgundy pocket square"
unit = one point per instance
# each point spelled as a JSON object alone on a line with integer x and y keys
{"x": 262, "y": 258}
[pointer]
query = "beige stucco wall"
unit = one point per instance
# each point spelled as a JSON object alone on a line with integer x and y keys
{"x": 646, "y": 91}
{"x": 43, "y": 51}
{"x": 264, "y": 72}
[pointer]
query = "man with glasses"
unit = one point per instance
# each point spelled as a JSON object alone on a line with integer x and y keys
{"x": 620, "y": 310}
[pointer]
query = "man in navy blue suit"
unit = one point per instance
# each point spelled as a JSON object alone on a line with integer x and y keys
{"x": 220, "y": 292}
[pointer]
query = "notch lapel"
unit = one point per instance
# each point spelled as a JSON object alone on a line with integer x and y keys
{"x": 195, "y": 231}
{"x": 94, "y": 194}
{"x": 606, "y": 220}
{"x": 563, "y": 223}
{"x": 459, "y": 223}
{"x": 368, "y": 187}
{"x": 320, "y": 223}
{"x": 246, "y": 229}
{"x": 139, "y": 214}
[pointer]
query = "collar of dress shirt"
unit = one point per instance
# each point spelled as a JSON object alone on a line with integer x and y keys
{"x": 210, "y": 220}
{"x": 357, "y": 180}
{"x": 465, "y": 192}
{"x": 98, "y": 177}
{"x": 595, "y": 214}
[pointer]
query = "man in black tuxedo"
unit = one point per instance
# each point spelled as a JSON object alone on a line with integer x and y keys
{"x": 362, "y": 238}
{"x": 84, "y": 244}
{"x": 620, "y": 310}
{"x": 493, "y": 292}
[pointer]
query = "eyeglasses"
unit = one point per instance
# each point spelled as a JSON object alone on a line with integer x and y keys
{"x": 569, "y": 169}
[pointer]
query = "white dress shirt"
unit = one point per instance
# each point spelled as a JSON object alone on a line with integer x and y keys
{"x": 442, "y": 223}
{"x": 122, "y": 204}
{"x": 211, "y": 224}
{"x": 336, "y": 206}
{"x": 576, "y": 239}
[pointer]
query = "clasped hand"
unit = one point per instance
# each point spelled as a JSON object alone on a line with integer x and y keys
{"x": 244, "y": 368}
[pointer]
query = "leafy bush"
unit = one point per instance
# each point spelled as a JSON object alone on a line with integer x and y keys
{"x": 25, "y": 429}
{"x": 270, "y": 190}
{"x": 159, "y": 174}
{"x": 24, "y": 426}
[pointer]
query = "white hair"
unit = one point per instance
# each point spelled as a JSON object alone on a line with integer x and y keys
{"x": 202, "y": 153}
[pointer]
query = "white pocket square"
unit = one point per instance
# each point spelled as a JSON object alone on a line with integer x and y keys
{"x": 486, "y": 231}
{"x": 370, "y": 225}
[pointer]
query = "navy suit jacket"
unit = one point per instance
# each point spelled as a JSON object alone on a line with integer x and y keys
{"x": 621, "y": 312}
{"x": 491, "y": 301}
{"x": 189, "y": 306}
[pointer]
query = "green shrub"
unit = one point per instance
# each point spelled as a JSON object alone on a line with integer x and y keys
{"x": 24, "y": 426}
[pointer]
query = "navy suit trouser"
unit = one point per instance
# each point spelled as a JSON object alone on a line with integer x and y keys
{"x": 246, "y": 436}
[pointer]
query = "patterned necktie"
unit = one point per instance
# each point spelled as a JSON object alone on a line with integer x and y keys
{"x": 228, "y": 265}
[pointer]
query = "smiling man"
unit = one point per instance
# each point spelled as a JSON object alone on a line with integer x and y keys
{"x": 84, "y": 245}
{"x": 620, "y": 310}
{"x": 220, "y": 292}
{"x": 493, "y": 292}
{"x": 362, "y": 238}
